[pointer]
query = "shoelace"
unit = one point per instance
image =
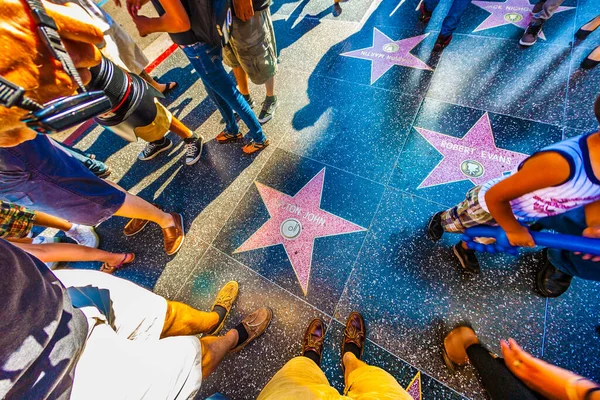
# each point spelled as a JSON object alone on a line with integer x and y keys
{"x": 353, "y": 334}
{"x": 225, "y": 299}
{"x": 190, "y": 149}
{"x": 150, "y": 148}
{"x": 315, "y": 345}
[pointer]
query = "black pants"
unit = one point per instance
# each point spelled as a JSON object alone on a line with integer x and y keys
{"x": 497, "y": 379}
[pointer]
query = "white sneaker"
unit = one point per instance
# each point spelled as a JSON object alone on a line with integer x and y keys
{"x": 84, "y": 235}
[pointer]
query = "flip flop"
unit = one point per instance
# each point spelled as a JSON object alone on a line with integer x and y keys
{"x": 109, "y": 269}
{"x": 169, "y": 86}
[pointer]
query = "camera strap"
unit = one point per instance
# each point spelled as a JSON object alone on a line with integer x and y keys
{"x": 14, "y": 95}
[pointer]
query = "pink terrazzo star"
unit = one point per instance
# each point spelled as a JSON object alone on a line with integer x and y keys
{"x": 414, "y": 388}
{"x": 516, "y": 12}
{"x": 295, "y": 223}
{"x": 474, "y": 156}
{"x": 385, "y": 53}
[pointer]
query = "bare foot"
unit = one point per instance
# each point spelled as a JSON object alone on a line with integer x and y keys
{"x": 457, "y": 342}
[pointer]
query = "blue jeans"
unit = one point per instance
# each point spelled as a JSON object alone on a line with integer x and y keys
{"x": 451, "y": 21}
{"x": 571, "y": 223}
{"x": 207, "y": 61}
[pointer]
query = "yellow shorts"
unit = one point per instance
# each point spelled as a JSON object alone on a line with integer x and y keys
{"x": 159, "y": 127}
{"x": 302, "y": 379}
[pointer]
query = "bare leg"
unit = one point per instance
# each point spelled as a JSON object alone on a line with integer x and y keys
{"x": 182, "y": 319}
{"x": 595, "y": 54}
{"x": 136, "y": 207}
{"x": 178, "y": 128}
{"x": 158, "y": 86}
{"x": 350, "y": 364}
{"x": 270, "y": 86}
{"x": 592, "y": 25}
{"x": 242, "y": 80}
{"x": 214, "y": 349}
{"x": 51, "y": 252}
{"x": 50, "y": 221}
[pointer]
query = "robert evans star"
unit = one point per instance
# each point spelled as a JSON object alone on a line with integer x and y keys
{"x": 295, "y": 223}
{"x": 515, "y": 12}
{"x": 474, "y": 156}
{"x": 385, "y": 53}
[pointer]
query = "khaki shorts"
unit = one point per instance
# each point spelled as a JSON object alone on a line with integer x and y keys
{"x": 252, "y": 46}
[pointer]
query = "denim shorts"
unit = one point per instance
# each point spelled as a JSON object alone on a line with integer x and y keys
{"x": 38, "y": 175}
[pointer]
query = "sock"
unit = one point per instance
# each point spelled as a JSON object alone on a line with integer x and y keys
{"x": 352, "y": 348}
{"x": 242, "y": 334}
{"x": 192, "y": 138}
{"x": 313, "y": 356}
{"x": 221, "y": 311}
{"x": 160, "y": 141}
{"x": 247, "y": 97}
{"x": 72, "y": 230}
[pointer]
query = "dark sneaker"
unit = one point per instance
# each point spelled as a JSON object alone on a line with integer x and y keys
{"x": 98, "y": 168}
{"x": 226, "y": 137}
{"x": 442, "y": 42}
{"x": 337, "y": 10}
{"x": 425, "y": 15}
{"x": 253, "y": 147}
{"x": 552, "y": 282}
{"x": 268, "y": 109}
{"x": 538, "y": 7}
{"x": 531, "y": 34}
{"x": 467, "y": 258}
{"x": 434, "y": 227}
{"x": 193, "y": 150}
{"x": 153, "y": 149}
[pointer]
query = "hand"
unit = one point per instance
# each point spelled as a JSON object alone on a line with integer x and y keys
{"x": 520, "y": 237}
{"x": 143, "y": 24}
{"x": 134, "y": 6}
{"x": 243, "y": 9}
{"x": 30, "y": 65}
{"x": 591, "y": 232}
{"x": 538, "y": 375}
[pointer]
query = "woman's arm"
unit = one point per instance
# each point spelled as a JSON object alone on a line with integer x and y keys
{"x": 174, "y": 20}
{"x": 538, "y": 172}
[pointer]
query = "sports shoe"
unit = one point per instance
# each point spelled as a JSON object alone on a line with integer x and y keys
{"x": 425, "y": 15}
{"x": 97, "y": 168}
{"x": 193, "y": 150}
{"x": 253, "y": 147}
{"x": 174, "y": 235}
{"x": 531, "y": 33}
{"x": 268, "y": 109}
{"x": 434, "y": 227}
{"x": 226, "y": 137}
{"x": 255, "y": 325}
{"x": 442, "y": 42}
{"x": 225, "y": 299}
{"x": 153, "y": 149}
{"x": 84, "y": 235}
{"x": 467, "y": 258}
{"x": 551, "y": 281}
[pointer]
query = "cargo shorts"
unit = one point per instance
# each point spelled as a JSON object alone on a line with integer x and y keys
{"x": 252, "y": 46}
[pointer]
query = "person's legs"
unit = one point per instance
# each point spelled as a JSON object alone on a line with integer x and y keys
{"x": 97, "y": 167}
{"x": 430, "y": 5}
{"x": 299, "y": 378}
{"x": 548, "y": 9}
{"x": 242, "y": 80}
{"x": 270, "y": 86}
{"x": 231, "y": 124}
{"x": 363, "y": 381}
{"x": 178, "y": 128}
{"x": 50, "y": 252}
{"x": 182, "y": 319}
{"x": 451, "y": 21}
{"x": 50, "y": 221}
{"x": 138, "y": 208}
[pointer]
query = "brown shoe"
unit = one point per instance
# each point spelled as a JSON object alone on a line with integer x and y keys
{"x": 255, "y": 324}
{"x": 135, "y": 225}
{"x": 174, "y": 235}
{"x": 314, "y": 337}
{"x": 253, "y": 147}
{"x": 225, "y": 298}
{"x": 355, "y": 333}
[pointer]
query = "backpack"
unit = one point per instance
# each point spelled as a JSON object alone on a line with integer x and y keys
{"x": 211, "y": 20}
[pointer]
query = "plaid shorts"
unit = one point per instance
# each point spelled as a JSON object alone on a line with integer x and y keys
{"x": 467, "y": 213}
{"x": 15, "y": 221}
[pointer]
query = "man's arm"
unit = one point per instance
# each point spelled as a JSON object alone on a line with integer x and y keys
{"x": 540, "y": 171}
{"x": 174, "y": 20}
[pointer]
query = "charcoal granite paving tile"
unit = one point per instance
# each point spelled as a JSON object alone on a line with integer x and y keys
{"x": 583, "y": 89}
{"x": 317, "y": 273}
{"x": 573, "y": 329}
{"x": 353, "y": 11}
{"x": 412, "y": 291}
{"x": 498, "y": 76}
{"x": 447, "y": 140}
{"x": 242, "y": 375}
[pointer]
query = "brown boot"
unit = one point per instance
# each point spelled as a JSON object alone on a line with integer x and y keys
{"x": 255, "y": 325}
{"x": 174, "y": 235}
{"x": 456, "y": 343}
{"x": 355, "y": 336}
{"x": 135, "y": 225}
{"x": 314, "y": 338}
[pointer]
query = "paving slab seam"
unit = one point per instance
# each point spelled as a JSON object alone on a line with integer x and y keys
{"x": 187, "y": 279}
{"x": 274, "y": 283}
{"x": 545, "y": 328}
{"x": 565, "y": 112}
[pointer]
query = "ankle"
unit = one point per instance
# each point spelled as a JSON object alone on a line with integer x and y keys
{"x": 167, "y": 221}
{"x": 232, "y": 338}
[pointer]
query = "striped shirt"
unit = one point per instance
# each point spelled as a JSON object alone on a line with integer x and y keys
{"x": 581, "y": 188}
